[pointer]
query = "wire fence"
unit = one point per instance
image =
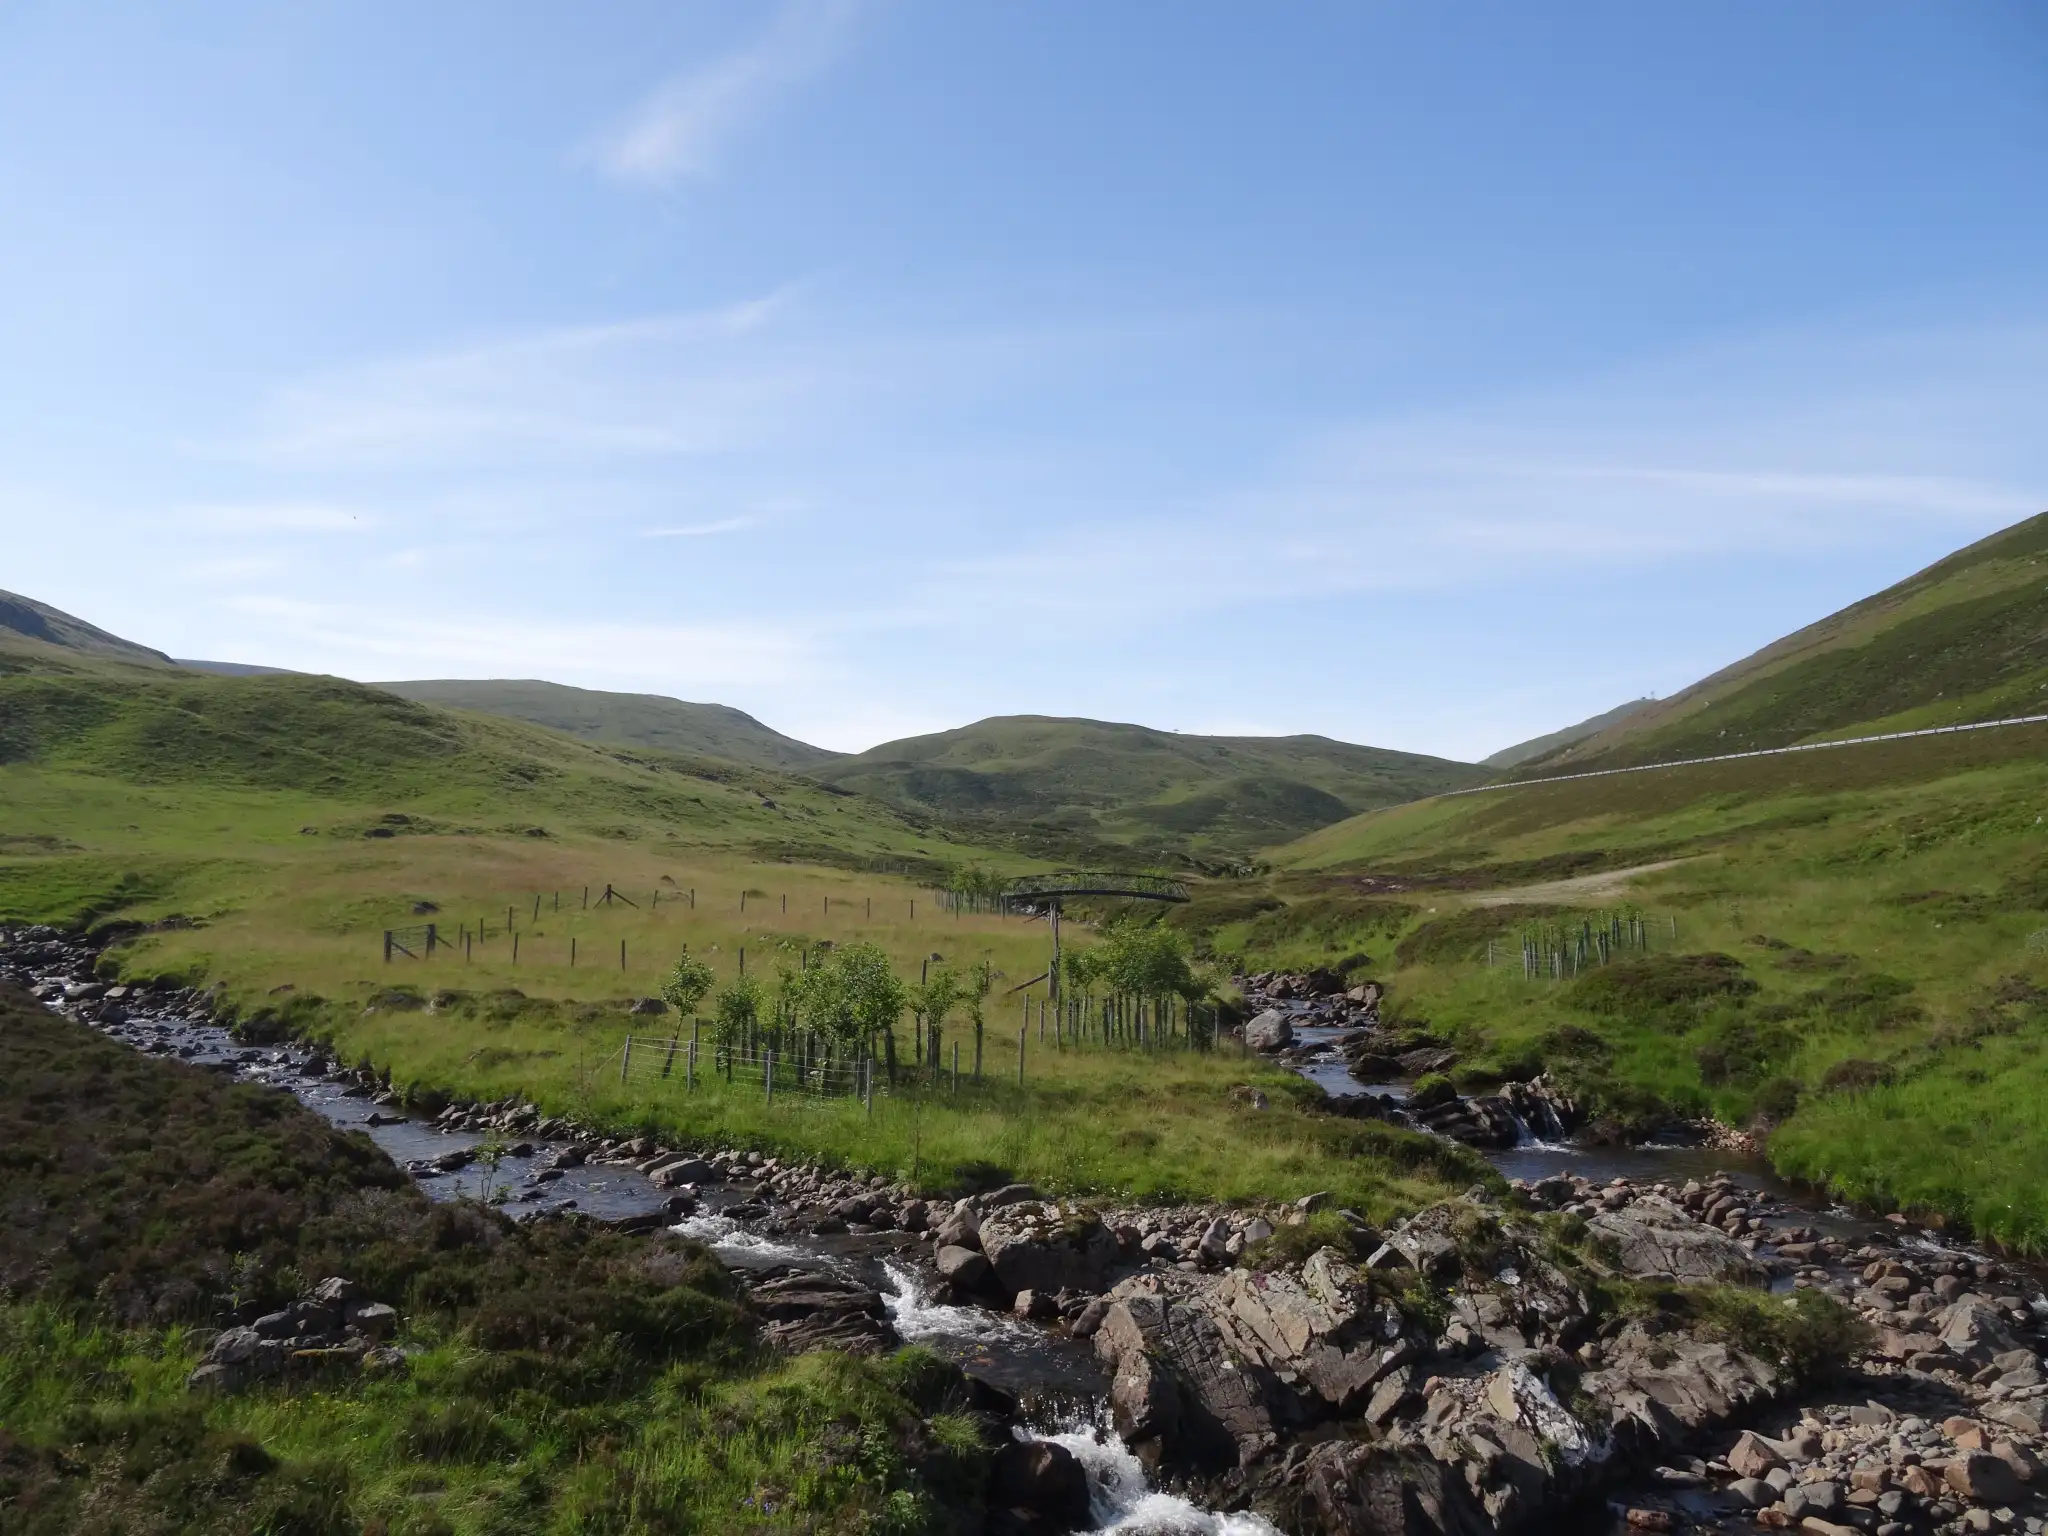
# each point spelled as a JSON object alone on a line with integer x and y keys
{"x": 1559, "y": 950}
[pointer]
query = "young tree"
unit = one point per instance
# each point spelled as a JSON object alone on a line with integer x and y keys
{"x": 932, "y": 1002}
{"x": 685, "y": 986}
{"x": 981, "y": 980}
{"x": 737, "y": 1010}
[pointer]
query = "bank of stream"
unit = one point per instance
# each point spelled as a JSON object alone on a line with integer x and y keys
{"x": 744, "y": 1208}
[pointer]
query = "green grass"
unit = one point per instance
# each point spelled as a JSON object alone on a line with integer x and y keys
{"x": 1859, "y": 937}
{"x": 1962, "y": 640}
{"x": 1089, "y": 784}
{"x": 624, "y": 719}
{"x": 163, "y": 805}
{"x": 562, "y": 1378}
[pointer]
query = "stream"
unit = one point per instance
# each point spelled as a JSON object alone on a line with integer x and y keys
{"x": 1057, "y": 1380}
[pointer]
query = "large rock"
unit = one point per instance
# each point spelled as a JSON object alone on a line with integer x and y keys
{"x": 960, "y": 1229}
{"x": 1270, "y": 1031}
{"x": 1319, "y": 1331}
{"x": 1345, "y": 1488}
{"x": 806, "y": 1310}
{"x": 1032, "y": 1249}
{"x": 1227, "y": 1404}
{"x": 1653, "y": 1238}
{"x": 962, "y": 1267}
{"x": 686, "y": 1170}
{"x": 1144, "y": 1404}
{"x": 1043, "y": 1480}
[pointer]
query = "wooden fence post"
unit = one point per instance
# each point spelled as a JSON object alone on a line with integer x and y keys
{"x": 625, "y": 1058}
{"x": 515, "y": 949}
{"x": 572, "y": 952}
{"x": 622, "y": 954}
{"x": 690, "y": 1065}
{"x": 768, "y": 1074}
{"x": 1020, "y": 1058}
{"x": 387, "y": 946}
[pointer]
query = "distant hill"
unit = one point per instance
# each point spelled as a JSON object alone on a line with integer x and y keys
{"x": 23, "y": 619}
{"x": 234, "y": 668}
{"x": 1965, "y": 639}
{"x": 1521, "y": 752}
{"x": 1156, "y": 791}
{"x": 624, "y": 719}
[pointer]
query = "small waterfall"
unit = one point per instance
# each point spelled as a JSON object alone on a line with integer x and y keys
{"x": 916, "y": 1311}
{"x": 1124, "y": 1502}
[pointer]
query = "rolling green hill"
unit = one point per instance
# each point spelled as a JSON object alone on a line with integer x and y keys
{"x": 1966, "y": 639}
{"x": 1538, "y": 746}
{"x": 623, "y": 719}
{"x": 30, "y": 630}
{"x": 1882, "y": 908}
{"x": 1156, "y": 792}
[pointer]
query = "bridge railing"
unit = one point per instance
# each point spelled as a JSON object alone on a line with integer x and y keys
{"x": 1037, "y": 888}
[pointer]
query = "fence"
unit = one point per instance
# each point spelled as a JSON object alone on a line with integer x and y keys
{"x": 1559, "y": 950}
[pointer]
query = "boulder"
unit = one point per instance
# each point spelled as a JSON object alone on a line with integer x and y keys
{"x": 1270, "y": 1031}
{"x": 1343, "y": 1486}
{"x": 1654, "y": 1238}
{"x": 688, "y": 1170}
{"x": 1042, "y": 1479}
{"x": 1032, "y": 1251}
{"x": 806, "y": 1310}
{"x": 374, "y": 1320}
{"x": 964, "y": 1268}
{"x": 1984, "y": 1479}
{"x": 960, "y": 1229}
{"x": 1144, "y": 1405}
{"x": 1752, "y": 1456}
{"x": 1227, "y": 1405}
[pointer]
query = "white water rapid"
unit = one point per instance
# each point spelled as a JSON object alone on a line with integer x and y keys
{"x": 1123, "y": 1502}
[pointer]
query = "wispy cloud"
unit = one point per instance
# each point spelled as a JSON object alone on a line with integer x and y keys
{"x": 685, "y": 126}
{"x": 699, "y": 530}
{"x": 653, "y": 387}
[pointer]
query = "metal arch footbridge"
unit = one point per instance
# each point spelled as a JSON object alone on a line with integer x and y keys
{"x": 1049, "y": 893}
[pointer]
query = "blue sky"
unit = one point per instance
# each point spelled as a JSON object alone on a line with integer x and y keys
{"x": 1427, "y": 375}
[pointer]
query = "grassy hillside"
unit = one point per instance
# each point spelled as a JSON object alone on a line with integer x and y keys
{"x": 1966, "y": 639}
{"x": 1538, "y": 746}
{"x": 30, "y": 628}
{"x": 624, "y": 719}
{"x": 260, "y": 834}
{"x": 1156, "y": 792}
{"x": 1881, "y": 1012}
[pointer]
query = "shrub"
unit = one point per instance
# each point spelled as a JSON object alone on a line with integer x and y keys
{"x": 1430, "y": 1090}
{"x": 1807, "y": 1333}
{"x": 1462, "y": 935}
{"x": 1855, "y": 1074}
{"x": 1652, "y": 984}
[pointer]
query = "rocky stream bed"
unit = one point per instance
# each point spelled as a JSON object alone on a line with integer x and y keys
{"x": 1638, "y": 1340}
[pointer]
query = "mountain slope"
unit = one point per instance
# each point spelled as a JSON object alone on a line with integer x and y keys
{"x": 623, "y": 719}
{"x": 1965, "y": 639}
{"x": 1537, "y": 746}
{"x": 26, "y": 624}
{"x": 1156, "y": 791}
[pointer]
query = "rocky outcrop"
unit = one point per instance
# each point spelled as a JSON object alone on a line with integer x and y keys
{"x": 334, "y": 1325}
{"x": 1653, "y": 1239}
{"x": 1034, "y": 1246}
{"x": 804, "y": 1310}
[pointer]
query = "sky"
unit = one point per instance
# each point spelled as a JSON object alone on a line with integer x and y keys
{"x": 1427, "y": 375}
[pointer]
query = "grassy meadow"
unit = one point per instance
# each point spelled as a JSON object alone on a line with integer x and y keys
{"x": 153, "y": 803}
{"x": 1883, "y": 1007}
